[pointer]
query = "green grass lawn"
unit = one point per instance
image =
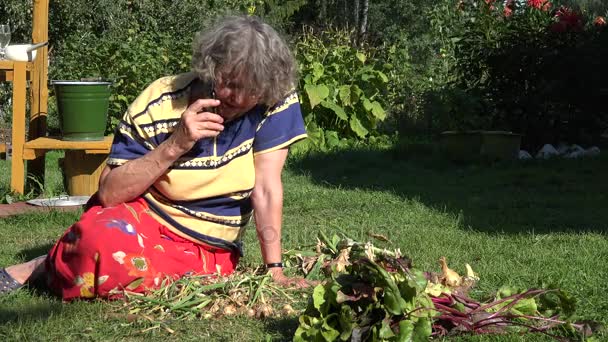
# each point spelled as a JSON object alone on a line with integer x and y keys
{"x": 53, "y": 183}
{"x": 520, "y": 224}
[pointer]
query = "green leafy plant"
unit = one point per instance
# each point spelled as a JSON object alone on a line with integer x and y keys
{"x": 342, "y": 87}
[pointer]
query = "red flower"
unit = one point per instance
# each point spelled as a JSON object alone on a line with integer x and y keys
{"x": 543, "y": 5}
{"x": 508, "y": 10}
{"x": 599, "y": 21}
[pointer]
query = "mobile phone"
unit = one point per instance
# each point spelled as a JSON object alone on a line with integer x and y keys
{"x": 213, "y": 109}
{"x": 213, "y": 96}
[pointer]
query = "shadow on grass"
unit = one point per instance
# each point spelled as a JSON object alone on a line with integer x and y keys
{"x": 31, "y": 253}
{"x": 282, "y": 328}
{"x": 506, "y": 197}
{"x": 30, "y": 312}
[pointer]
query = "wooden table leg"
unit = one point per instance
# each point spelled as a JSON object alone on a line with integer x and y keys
{"x": 18, "y": 134}
{"x": 38, "y": 112}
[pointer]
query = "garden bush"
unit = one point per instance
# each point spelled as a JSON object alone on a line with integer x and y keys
{"x": 530, "y": 67}
{"x": 424, "y": 66}
{"x": 131, "y": 64}
{"x": 342, "y": 87}
{"x": 130, "y": 43}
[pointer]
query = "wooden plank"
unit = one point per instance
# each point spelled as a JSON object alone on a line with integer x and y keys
{"x": 51, "y": 143}
{"x": 38, "y": 86}
{"x": 5, "y": 64}
{"x": 95, "y": 151}
{"x": 18, "y": 129}
{"x": 39, "y": 77}
{"x": 6, "y": 75}
{"x": 6, "y": 70}
{"x": 40, "y": 21}
{"x": 33, "y": 154}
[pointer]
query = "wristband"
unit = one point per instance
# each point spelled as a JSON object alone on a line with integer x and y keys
{"x": 274, "y": 264}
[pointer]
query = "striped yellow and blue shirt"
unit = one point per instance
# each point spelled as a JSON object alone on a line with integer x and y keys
{"x": 205, "y": 195}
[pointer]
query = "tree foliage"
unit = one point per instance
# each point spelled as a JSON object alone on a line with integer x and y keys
{"x": 424, "y": 48}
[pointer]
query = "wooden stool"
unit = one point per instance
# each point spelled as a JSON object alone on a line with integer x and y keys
{"x": 82, "y": 171}
{"x": 83, "y": 162}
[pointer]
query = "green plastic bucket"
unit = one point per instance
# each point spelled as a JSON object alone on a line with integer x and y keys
{"x": 83, "y": 109}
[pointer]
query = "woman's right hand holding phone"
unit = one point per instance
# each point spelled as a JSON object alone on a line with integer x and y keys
{"x": 197, "y": 122}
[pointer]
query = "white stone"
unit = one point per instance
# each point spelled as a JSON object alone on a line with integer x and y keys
{"x": 547, "y": 152}
{"x": 562, "y": 149}
{"x": 592, "y": 151}
{"x": 524, "y": 155}
{"x": 575, "y": 154}
{"x": 575, "y": 148}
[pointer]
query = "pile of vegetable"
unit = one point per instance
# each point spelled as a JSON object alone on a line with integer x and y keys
{"x": 246, "y": 292}
{"x": 367, "y": 294}
{"x": 376, "y": 295}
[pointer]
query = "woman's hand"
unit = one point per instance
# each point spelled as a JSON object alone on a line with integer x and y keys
{"x": 196, "y": 124}
{"x": 280, "y": 278}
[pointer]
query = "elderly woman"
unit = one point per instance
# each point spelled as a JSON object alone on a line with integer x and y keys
{"x": 194, "y": 158}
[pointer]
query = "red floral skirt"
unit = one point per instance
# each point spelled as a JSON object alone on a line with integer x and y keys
{"x": 112, "y": 249}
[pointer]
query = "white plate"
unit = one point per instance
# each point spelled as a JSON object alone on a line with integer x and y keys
{"x": 60, "y": 201}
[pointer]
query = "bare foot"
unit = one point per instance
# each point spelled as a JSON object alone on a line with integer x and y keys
{"x": 28, "y": 270}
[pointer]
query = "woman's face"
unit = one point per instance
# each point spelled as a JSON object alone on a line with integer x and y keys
{"x": 235, "y": 98}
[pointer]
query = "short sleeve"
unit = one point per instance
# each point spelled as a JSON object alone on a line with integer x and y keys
{"x": 151, "y": 118}
{"x": 282, "y": 126}
{"x": 129, "y": 142}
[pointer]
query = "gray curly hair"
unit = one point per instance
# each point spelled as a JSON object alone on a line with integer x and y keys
{"x": 246, "y": 47}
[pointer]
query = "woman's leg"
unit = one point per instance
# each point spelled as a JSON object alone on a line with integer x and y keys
{"x": 27, "y": 271}
{"x": 14, "y": 277}
{"x": 113, "y": 249}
